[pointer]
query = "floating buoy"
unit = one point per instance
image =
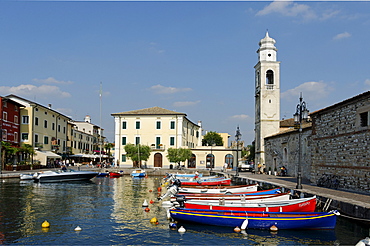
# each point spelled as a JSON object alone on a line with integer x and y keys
{"x": 145, "y": 203}
{"x": 45, "y": 224}
{"x": 172, "y": 225}
{"x": 154, "y": 220}
{"x": 78, "y": 228}
{"x": 159, "y": 189}
{"x": 181, "y": 229}
{"x": 237, "y": 229}
{"x": 150, "y": 191}
{"x": 151, "y": 201}
{"x": 147, "y": 209}
{"x": 274, "y": 228}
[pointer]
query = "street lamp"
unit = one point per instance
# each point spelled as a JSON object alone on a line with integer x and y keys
{"x": 300, "y": 115}
{"x": 237, "y": 138}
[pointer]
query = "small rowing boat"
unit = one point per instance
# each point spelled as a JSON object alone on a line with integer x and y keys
{"x": 218, "y": 190}
{"x": 257, "y": 220}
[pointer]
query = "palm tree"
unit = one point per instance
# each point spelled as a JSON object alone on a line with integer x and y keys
{"x": 28, "y": 152}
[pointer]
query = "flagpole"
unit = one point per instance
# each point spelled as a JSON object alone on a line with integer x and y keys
{"x": 100, "y": 133}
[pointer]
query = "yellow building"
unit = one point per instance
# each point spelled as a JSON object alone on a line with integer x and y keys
{"x": 43, "y": 128}
{"x": 158, "y": 128}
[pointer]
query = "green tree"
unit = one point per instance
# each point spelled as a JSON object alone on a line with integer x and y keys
{"x": 178, "y": 155}
{"x": 251, "y": 155}
{"x": 28, "y": 152}
{"x": 212, "y": 138}
{"x": 137, "y": 153}
{"x": 108, "y": 147}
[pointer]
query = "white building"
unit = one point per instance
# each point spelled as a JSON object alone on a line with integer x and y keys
{"x": 158, "y": 128}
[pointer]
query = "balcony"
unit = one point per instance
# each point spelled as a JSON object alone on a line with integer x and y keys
{"x": 158, "y": 147}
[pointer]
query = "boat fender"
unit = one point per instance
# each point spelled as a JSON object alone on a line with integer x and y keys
{"x": 274, "y": 228}
{"x": 45, "y": 224}
{"x": 237, "y": 229}
{"x": 244, "y": 225}
{"x": 147, "y": 209}
{"x": 168, "y": 214}
{"x": 145, "y": 203}
{"x": 181, "y": 229}
{"x": 364, "y": 242}
{"x": 173, "y": 226}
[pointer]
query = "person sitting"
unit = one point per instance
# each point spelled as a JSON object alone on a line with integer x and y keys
{"x": 64, "y": 168}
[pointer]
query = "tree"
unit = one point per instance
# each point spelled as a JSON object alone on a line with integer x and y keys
{"x": 137, "y": 153}
{"x": 28, "y": 152}
{"x": 108, "y": 147}
{"x": 178, "y": 155}
{"x": 251, "y": 155}
{"x": 212, "y": 138}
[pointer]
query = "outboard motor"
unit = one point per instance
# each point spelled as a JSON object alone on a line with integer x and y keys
{"x": 181, "y": 199}
{"x": 171, "y": 191}
{"x": 177, "y": 182}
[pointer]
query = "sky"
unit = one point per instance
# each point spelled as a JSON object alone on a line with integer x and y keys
{"x": 196, "y": 58}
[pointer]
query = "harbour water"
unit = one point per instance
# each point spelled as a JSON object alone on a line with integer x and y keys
{"x": 109, "y": 212}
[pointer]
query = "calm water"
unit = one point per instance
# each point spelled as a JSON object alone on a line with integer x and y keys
{"x": 109, "y": 211}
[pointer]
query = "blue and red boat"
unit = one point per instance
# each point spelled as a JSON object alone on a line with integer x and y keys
{"x": 257, "y": 220}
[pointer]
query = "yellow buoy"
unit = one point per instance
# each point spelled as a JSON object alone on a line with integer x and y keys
{"x": 45, "y": 224}
{"x": 154, "y": 220}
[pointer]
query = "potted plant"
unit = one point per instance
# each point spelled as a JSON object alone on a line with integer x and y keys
{"x": 269, "y": 170}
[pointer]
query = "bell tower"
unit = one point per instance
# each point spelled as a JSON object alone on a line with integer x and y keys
{"x": 267, "y": 95}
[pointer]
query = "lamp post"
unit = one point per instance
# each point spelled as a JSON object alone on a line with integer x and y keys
{"x": 237, "y": 139}
{"x": 300, "y": 115}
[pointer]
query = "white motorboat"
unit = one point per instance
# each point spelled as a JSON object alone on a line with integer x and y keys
{"x": 63, "y": 175}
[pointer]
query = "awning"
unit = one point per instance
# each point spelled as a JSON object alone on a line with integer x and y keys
{"x": 48, "y": 154}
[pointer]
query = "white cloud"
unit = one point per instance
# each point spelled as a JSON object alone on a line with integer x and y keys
{"x": 242, "y": 117}
{"x": 288, "y": 8}
{"x": 312, "y": 91}
{"x": 160, "y": 89}
{"x": 52, "y": 80}
{"x": 32, "y": 90}
{"x": 185, "y": 104}
{"x": 342, "y": 35}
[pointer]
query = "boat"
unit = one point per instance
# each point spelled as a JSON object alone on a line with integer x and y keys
{"x": 261, "y": 205}
{"x": 217, "y": 190}
{"x": 24, "y": 176}
{"x": 185, "y": 175}
{"x": 138, "y": 173}
{"x": 63, "y": 176}
{"x": 230, "y": 192}
{"x": 257, "y": 220}
{"x": 115, "y": 174}
{"x": 103, "y": 174}
{"x": 215, "y": 181}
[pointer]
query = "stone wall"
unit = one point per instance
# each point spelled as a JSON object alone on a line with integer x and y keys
{"x": 283, "y": 149}
{"x": 340, "y": 145}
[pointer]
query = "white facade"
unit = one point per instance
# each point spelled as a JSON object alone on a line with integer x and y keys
{"x": 267, "y": 94}
{"x": 155, "y": 127}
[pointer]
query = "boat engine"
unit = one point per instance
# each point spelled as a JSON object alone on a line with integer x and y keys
{"x": 181, "y": 199}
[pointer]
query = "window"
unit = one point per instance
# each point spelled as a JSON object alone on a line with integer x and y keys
{"x": 158, "y": 142}
{"x": 46, "y": 140}
{"x": 124, "y": 141}
{"x": 53, "y": 126}
{"x": 172, "y": 125}
{"x": 15, "y": 119}
{"x": 36, "y": 138}
{"x": 16, "y": 137}
{"x": 137, "y": 140}
{"x": 25, "y": 119}
{"x": 64, "y": 129}
{"x": 58, "y": 128}
{"x": 364, "y": 119}
{"x": 124, "y": 125}
{"x": 137, "y": 124}
{"x": 24, "y": 136}
{"x": 5, "y": 116}
{"x": 5, "y": 133}
{"x": 36, "y": 121}
{"x": 172, "y": 141}
{"x": 158, "y": 125}
{"x": 269, "y": 77}
{"x": 45, "y": 124}
{"x": 123, "y": 158}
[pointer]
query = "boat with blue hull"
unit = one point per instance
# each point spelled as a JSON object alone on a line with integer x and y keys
{"x": 63, "y": 176}
{"x": 138, "y": 173}
{"x": 258, "y": 220}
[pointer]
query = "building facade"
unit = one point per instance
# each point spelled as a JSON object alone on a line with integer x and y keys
{"x": 267, "y": 95}
{"x": 156, "y": 127}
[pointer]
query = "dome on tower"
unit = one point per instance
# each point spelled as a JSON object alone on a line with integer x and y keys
{"x": 267, "y": 42}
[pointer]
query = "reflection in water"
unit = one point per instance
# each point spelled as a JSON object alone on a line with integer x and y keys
{"x": 109, "y": 211}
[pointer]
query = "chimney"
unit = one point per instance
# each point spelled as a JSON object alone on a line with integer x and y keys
{"x": 49, "y": 105}
{"x": 87, "y": 119}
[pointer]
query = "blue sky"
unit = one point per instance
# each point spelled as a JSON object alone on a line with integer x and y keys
{"x": 192, "y": 57}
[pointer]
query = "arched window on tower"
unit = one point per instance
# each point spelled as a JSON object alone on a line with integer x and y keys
{"x": 269, "y": 77}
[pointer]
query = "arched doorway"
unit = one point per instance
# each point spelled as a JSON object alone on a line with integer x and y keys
{"x": 210, "y": 160}
{"x": 229, "y": 159}
{"x": 192, "y": 161}
{"x": 158, "y": 160}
